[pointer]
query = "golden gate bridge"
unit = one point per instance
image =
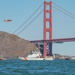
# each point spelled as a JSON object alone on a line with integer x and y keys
{"x": 47, "y": 40}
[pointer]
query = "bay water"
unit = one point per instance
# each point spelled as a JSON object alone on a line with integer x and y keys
{"x": 21, "y": 67}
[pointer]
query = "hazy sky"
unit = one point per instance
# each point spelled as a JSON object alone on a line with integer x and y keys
{"x": 20, "y": 10}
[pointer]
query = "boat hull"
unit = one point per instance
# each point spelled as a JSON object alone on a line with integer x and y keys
{"x": 35, "y": 59}
{"x": 39, "y": 59}
{"x": 28, "y": 58}
{"x": 2, "y": 59}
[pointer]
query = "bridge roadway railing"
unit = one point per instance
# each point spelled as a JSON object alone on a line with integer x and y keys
{"x": 55, "y": 40}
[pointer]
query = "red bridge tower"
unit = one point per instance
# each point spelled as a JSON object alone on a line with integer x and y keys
{"x": 47, "y": 28}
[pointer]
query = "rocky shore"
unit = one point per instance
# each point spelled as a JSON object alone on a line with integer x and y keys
{"x": 58, "y": 56}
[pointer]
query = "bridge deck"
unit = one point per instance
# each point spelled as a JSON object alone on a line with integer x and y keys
{"x": 55, "y": 40}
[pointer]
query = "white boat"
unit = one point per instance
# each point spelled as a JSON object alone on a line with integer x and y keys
{"x": 35, "y": 55}
{"x": 34, "y": 58}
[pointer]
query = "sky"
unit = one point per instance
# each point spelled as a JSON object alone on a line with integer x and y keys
{"x": 20, "y": 10}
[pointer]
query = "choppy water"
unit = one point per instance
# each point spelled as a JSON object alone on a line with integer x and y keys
{"x": 20, "y": 67}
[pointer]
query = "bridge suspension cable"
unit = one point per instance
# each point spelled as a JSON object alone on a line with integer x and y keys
{"x": 64, "y": 10}
{"x": 27, "y": 19}
{"x": 30, "y": 22}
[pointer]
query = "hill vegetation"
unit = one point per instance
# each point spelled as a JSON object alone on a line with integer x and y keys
{"x": 12, "y": 46}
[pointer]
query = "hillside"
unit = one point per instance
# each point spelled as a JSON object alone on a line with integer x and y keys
{"x": 12, "y": 46}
